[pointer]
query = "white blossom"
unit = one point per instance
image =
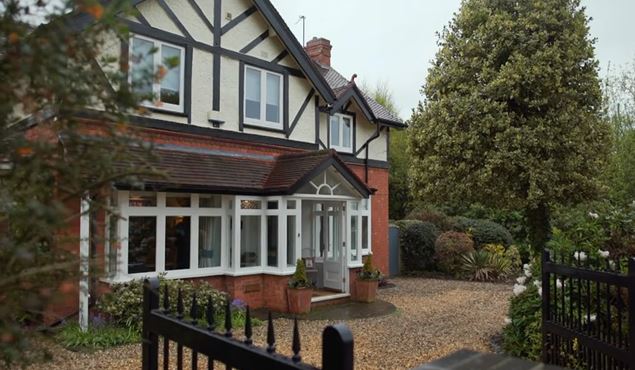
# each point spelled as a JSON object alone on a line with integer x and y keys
{"x": 526, "y": 266}
{"x": 580, "y": 256}
{"x": 537, "y": 283}
{"x": 612, "y": 265}
{"x": 593, "y": 317}
{"x": 528, "y": 273}
{"x": 594, "y": 215}
{"x": 604, "y": 254}
{"x": 558, "y": 284}
{"x": 508, "y": 321}
{"x": 519, "y": 289}
{"x": 522, "y": 280}
{"x": 540, "y": 291}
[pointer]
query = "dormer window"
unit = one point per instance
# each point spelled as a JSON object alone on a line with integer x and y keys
{"x": 263, "y": 98}
{"x": 151, "y": 58}
{"x": 341, "y": 133}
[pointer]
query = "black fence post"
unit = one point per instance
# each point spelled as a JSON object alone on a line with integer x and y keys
{"x": 150, "y": 341}
{"x": 631, "y": 313}
{"x": 337, "y": 348}
{"x": 546, "y": 301}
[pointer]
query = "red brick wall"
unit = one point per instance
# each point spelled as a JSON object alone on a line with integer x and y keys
{"x": 377, "y": 179}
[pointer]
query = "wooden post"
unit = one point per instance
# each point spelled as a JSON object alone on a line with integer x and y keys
{"x": 631, "y": 313}
{"x": 337, "y": 348}
{"x": 546, "y": 301}
{"x": 84, "y": 261}
{"x": 150, "y": 341}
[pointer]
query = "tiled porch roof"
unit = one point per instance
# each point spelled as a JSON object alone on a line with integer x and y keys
{"x": 210, "y": 171}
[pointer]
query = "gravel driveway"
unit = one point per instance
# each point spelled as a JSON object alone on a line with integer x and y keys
{"x": 434, "y": 318}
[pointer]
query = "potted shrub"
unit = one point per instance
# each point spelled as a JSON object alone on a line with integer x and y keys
{"x": 367, "y": 282}
{"x": 300, "y": 290}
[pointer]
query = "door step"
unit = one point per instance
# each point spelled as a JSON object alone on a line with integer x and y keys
{"x": 330, "y": 299}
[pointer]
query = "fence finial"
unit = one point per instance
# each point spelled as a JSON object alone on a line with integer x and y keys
{"x": 179, "y": 305}
{"x": 248, "y": 331}
{"x": 228, "y": 320}
{"x": 296, "y": 342}
{"x": 209, "y": 313}
{"x": 194, "y": 310}
{"x": 271, "y": 340}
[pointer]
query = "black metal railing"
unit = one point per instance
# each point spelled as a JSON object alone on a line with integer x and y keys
{"x": 197, "y": 332}
{"x": 588, "y": 312}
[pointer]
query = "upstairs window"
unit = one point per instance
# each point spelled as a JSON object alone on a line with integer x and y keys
{"x": 341, "y": 133}
{"x": 263, "y": 98}
{"x": 157, "y": 73}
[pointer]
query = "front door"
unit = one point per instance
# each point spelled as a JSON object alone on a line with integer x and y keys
{"x": 331, "y": 225}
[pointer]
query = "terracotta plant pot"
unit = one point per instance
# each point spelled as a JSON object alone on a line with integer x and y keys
{"x": 366, "y": 290}
{"x": 299, "y": 300}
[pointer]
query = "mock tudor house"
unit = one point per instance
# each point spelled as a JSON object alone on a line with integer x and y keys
{"x": 271, "y": 156}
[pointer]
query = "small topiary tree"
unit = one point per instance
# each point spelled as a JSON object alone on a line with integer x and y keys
{"x": 417, "y": 246}
{"x": 449, "y": 249}
{"x": 299, "y": 280}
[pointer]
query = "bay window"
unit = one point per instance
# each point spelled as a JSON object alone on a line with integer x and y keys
{"x": 262, "y": 102}
{"x": 150, "y": 59}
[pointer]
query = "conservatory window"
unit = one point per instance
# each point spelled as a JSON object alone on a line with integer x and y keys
{"x": 250, "y": 230}
{"x": 209, "y": 241}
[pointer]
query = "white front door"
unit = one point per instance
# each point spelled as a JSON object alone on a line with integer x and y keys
{"x": 332, "y": 219}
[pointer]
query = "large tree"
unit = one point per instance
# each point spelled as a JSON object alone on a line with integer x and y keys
{"x": 50, "y": 75}
{"x": 512, "y": 111}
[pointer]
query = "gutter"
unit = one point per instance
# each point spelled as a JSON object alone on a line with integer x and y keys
{"x": 366, "y": 146}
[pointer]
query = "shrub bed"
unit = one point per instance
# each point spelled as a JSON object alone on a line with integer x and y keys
{"x": 417, "y": 245}
{"x": 449, "y": 250}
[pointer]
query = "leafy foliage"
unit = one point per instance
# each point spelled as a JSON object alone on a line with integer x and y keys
{"x": 438, "y": 218}
{"x": 481, "y": 265}
{"x": 484, "y": 231}
{"x": 73, "y": 337}
{"x": 512, "y": 115}
{"x": 449, "y": 250}
{"x": 55, "y": 71}
{"x": 300, "y": 280}
{"x": 522, "y": 336}
{"x": 417, "y": 246}
{"x": 123, "y": 305}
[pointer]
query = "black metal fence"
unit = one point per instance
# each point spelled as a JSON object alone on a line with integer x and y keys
{"x": 588, "y": 312}
{"x": 209, "y": 348}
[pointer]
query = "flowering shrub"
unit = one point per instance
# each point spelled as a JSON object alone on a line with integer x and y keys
{"x": 123, "y": 305}
{"x": 449, "y": 250}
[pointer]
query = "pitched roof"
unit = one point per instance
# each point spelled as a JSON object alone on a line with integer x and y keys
{"x": 200, "y": 170}
{"x": 340, "y": 85}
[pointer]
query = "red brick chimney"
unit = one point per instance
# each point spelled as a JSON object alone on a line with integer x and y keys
{"x": 319, "y": 49}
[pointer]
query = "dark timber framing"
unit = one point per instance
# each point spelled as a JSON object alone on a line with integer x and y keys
{"x": 187, "y": 94}
{"x": 217, "y": 59}
{"x": 280, "y": 56}
{"x": 141, "y": 18}
{"x": 300, "y": 112}
{"x": 234, "y": 22}
{"x": 174, "y": 18}
{"x": 201, "y": 15}
{"x": 262, "y": 37}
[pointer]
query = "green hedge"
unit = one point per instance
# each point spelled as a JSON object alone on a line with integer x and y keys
{"x": 484, "y": 231}
{"x": 417, "y": 245}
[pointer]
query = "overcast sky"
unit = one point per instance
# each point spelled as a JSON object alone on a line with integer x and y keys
{"x": 396, "y": 43}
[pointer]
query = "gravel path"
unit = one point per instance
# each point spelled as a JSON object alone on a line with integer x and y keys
{"x": 434, "y": 318}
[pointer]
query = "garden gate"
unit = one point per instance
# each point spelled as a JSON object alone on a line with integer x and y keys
{"x": 588, "y": 312}
{"x": 205, "y": 343}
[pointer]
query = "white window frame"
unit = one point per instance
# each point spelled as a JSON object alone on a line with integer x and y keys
{"x": 262, "y": 122}
{"x": 341, "y": 148}
{"x": 359, "y": 213}
{"x": 156, "y": 85}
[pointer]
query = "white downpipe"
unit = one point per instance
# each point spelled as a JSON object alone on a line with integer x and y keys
{"x": 84, "y": 261}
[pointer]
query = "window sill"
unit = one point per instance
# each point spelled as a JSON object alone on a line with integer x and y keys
{"x": 154, "y": 109}
{"x": 256, "y": 126}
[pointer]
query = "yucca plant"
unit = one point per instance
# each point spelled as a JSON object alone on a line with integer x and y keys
{"x": 477, "y": 266}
